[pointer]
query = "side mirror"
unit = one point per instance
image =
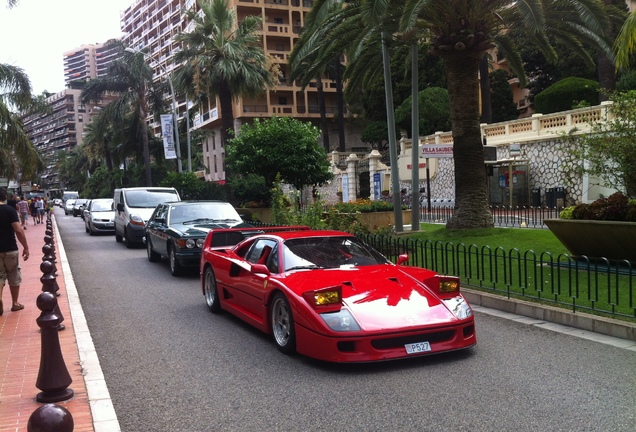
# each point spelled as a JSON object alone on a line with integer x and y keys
{"x": 403, "y": 258}
{"x": 120, "y": 206}
{"x": 260, "y": 268}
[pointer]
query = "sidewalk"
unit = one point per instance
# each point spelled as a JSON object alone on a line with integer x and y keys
{"x": 20, "y": 348}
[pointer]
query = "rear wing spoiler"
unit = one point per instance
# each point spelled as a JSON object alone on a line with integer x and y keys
{"x": 223, "y": 237}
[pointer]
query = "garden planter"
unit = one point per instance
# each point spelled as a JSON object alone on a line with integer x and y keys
{"x": 596, "y": 239}
{"x": 379, "y": 219}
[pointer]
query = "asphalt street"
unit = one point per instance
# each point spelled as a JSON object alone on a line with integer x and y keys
{"x": 171, "y": 365}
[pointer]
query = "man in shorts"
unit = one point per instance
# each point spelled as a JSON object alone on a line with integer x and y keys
{"x": 10, "y": 228}
{"x": 23, "y": 209}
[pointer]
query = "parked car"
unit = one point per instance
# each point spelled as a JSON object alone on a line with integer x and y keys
{"x": 133, "y": 207}
{"x": 328, "y": 295}
{"x": 68, "y": 206}
{"x": 177, "y": 230}
{"x": 99, "y": 216}
{"x": 78, "y": 206}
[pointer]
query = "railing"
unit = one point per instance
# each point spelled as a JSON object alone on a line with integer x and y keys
{"x": 509, "y": 217}
{"x": 601, "y": 287}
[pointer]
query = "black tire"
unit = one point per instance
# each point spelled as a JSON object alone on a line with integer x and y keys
{"x": 127, "y": 241}
{"x": 87, "y": 229}
{"x": 175, "y": 268}
{"x": 118, "y": 238}
{"x": 211, "y": 291}
{"x": 152, "y": 255}
{"x": 282, "y": 322}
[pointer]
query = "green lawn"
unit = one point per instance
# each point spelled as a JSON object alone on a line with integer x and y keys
{"x": 520, "y": 262}
{"x": 522, "y": 239}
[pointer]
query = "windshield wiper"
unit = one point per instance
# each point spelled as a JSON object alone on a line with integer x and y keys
{"x": 208, "y": 220}
{"x": 304, "y": 267}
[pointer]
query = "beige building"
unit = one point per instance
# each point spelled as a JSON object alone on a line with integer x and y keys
{"x": 153, "y": 24}
{"x": 87, "y": 62}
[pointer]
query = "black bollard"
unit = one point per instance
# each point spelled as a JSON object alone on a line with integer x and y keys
{"x": 51, "y": 418}
{"x": 49, "y": 285}
{"x": 53, "y": 377}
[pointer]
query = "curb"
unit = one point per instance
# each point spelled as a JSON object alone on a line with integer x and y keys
{"x": 597, "y": 324}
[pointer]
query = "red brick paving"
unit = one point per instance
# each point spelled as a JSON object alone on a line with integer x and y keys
{"x": 20, "y": 347}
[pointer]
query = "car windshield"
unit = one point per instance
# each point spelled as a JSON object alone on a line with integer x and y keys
{"x": 102, "y": 206}
{"x": 204, "y": 212}
{"x": 328, "y": 252}
{"x": 149, "y": 198}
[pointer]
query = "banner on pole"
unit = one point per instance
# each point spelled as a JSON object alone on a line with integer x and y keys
{"x": 167, "y": 132}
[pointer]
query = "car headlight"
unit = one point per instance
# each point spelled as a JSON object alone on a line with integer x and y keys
{"x": 136, "y": 220}
{"x": 200, "y": 243}
{"x": 341, "y": 321}
{"x": 459, "y": 307}
{"x": 190, "y": 243}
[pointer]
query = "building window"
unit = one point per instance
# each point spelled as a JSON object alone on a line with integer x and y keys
{"x": 282, "y": 100}
{"x": 80, "y": 118}
{"x": 213, "y": 142}
{"x": 207, "y": 146}
{"x": 215, "y": 170}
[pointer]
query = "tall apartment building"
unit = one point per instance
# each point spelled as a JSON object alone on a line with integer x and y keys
{"x": 153, "y": 24}
{"x": 87, "y": 62}
{"x": 58, "y": 131}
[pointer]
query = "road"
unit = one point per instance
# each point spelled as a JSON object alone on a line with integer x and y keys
{"x": 171, "y": 365}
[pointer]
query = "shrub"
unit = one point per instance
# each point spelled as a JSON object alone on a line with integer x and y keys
{"x": 616, "y": 207}
{"x": 562, "y": 95}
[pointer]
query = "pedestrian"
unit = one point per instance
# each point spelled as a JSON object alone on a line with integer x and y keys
{"x": 39, "y": 205}
{"x": 10, "y": 270}
{"x": 23, "y": 210}
{"x": 34, "y": 211}
{"x": 11, "y": 201}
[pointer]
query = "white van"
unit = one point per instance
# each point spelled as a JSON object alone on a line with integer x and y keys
{"x": 133, "y": 208}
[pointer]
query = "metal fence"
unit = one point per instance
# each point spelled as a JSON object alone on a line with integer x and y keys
{"x": 600, "y": 286}
{"x": 511, "y": 217}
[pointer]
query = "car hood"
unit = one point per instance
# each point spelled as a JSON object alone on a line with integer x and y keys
{"x": 103, "y": 215}
{"x": 202, "y": 229}
{"x": 380, "y": 297}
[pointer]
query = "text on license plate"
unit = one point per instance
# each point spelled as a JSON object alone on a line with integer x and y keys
{"x": 418, "y": 347}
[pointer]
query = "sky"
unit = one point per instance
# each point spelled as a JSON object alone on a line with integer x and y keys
{"x": 35, "y": 34}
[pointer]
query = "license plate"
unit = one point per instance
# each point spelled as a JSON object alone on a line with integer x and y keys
{"x": 418, "y": 347}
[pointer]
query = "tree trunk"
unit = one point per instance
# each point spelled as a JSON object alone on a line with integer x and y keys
{"x": 143, "y": 115}
{"x": 484, "y": 86}
{"x": 324, "y": 125}
{"x": 227, "y": 125}
{"x": 340, "y": 104}
{"x": 471, "y": 193}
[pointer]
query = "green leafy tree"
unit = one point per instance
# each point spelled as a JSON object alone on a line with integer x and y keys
{"x": 377, "y": 134}
{"x": 434, "y": 108}
{"x": 563, "y": 95}
{"x": 280, "y": 145}
{"x": 610, "y": 148}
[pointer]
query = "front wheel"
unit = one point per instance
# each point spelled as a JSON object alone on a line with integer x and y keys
{"x": 152, "y": 255}
{"x": 175, "y": 268}
{"x": 282, "y": 323}
{"x": 211, "y": 291}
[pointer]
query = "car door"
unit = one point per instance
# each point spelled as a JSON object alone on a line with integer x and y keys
{"x": 156, "y": 229}
{"x": 253, "y": 286}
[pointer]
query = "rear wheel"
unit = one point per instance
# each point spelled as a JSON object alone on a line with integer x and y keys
{"x": 282, "y": 323}
{"x": 175, "y": 268}
{"x": 118, "y": 238}
{"x": 211, "y": 291}
{"x": 152, "y": 255}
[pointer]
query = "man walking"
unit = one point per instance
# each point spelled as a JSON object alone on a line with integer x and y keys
{"x": 23, "y": 208}
{"x": 10, "y": 228}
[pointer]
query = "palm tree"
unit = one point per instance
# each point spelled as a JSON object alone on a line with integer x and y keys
{"x": 17, "y": 152}
{"x": 131, "y": 79}
{"x": 460, "y": 32}
{"x": 625, "y": 44}
{"x": 223, "y": 59}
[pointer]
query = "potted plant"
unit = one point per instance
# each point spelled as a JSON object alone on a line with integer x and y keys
{"x": 605, "y": 228}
